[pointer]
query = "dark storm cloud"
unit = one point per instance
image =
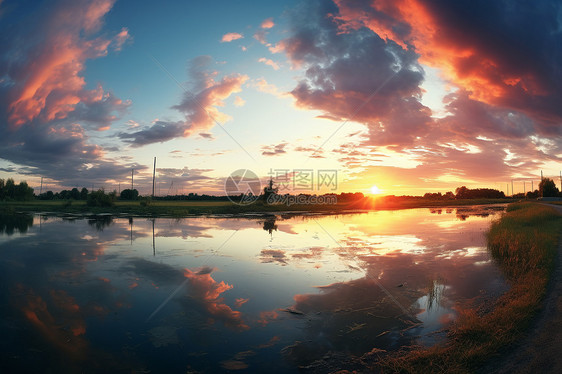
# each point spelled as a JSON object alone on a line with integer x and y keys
{"x": 361, "y": 62}
{"x": 160, "y": 131}
{"x": 356, "y": 76}
{"x": 505, "y": 53}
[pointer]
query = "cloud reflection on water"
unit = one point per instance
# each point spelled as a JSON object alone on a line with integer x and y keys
{"x": 289, "y": 288}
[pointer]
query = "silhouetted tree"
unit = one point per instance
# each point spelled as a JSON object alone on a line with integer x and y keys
{"x": 10, "y": 188}
{"x": 533, "y": 194}
{"x": 23, "y": 192}
{"x": 449, "y": 195}
{"x": 129, "y": 194}
{"x": 268, "y": 191}
{"x": 75, "y": 194}
{"x": 547, "y": 188}
{"x": 10, "y": 191}
{"x": 478, "y": 193}
{"x": 84, "y": 193}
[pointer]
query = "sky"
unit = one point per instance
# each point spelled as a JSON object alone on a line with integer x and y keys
{"x": 412, "y": 96}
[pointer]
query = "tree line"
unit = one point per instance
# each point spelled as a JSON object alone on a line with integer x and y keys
{"x": 9, "y": 190}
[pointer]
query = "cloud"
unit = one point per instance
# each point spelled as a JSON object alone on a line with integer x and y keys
{"x": 269, "y": 62}
{"x": 263, "y": 86}
{"x": 45, "y": 108}
{"x": 361, "y": 62}
{"x": 231, "y": 36}
{"x": 202, "y": 96}
{"x": 274, "y": 150}
{"x": 204, "y": 289}
{"x": 159, "y": 132}
{"x": 267, "y": 23}
{"x": 506, "y": 56}
{"x": 47, "y": 81}
{"x": 200, "y": 109}
{"x": 273, "y": 256}
{"x": 260, "y": 37}
{"x": 238, "y": 101}
{"x": 356, "y": 76}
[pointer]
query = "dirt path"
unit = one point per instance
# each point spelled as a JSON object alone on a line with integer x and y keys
{"x": 541, "y": 350}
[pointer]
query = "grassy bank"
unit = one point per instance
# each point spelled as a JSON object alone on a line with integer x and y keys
{"x": 182, "y": 208}
{"x": 524, "y": 244}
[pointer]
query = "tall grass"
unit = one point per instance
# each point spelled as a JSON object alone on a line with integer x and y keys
{"x": 523, "y": 242}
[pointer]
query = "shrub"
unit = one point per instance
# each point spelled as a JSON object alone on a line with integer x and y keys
{"x": 100, "y": 198}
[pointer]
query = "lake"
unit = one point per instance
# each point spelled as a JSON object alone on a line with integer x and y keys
{"x": 254, "y": 294}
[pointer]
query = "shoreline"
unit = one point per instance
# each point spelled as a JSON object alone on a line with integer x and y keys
{"x": 182, "y": 209}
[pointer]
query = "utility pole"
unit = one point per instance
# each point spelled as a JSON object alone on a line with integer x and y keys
{"x": 507, "y": 189}
{"x": 541, "y": 175}
{"x": 512, "y": 192}
{"x": 524, "y": 189}
{"x": 119, "y": 188}
{"x": 532, "y": 187}
{"x": 153, "y": 176}
{"x": 132, "y": 179}
{"x": 41, "y": 188}
{"x": 560, "y": 180}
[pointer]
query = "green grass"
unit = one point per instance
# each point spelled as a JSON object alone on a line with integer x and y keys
{"x": 524, "y": 244}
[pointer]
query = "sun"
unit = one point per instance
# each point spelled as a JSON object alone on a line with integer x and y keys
{"x": 375, "y": 190}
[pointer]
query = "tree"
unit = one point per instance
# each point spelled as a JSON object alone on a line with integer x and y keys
{"x": 84, "y": 193}
{"x": 547, "y": 188}
{"x": 533, "y": 194}
{"x": 449, "y": 195}
{"x": 10, "y": 189}
{"x": 75, "y": 194}
{"x": 269, "y": 191}
{"x": 129, "y": 194}
{"x": 23, "y": 192}
{"x": 461, "y": 193}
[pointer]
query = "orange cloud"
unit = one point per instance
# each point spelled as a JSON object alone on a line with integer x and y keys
{"x": 240, "y": 302}
{"x": 267, "y": 316}
{"x": 231, "y": 36}
{"x": 207, "y": 291}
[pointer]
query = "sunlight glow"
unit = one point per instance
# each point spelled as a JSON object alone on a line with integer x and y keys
{"x": 375, "y": 190}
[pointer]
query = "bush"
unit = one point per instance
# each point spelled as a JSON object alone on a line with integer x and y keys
{"x": 100, "y": 198}
{"x": 145, "y": 201}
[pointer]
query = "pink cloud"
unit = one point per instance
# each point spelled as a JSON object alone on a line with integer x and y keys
{"x": 200, "y": 107}
{"x": 267, "y": 23}
{"x": 52, "y": 85}
{"x": 263, "y": 86}
{"x": 231, "y": 36}
{"x": 269, "y": 62}
{"x": 238, "y": 101}
{"x": 45, "y": 108}
{"x": 201, "y": 110}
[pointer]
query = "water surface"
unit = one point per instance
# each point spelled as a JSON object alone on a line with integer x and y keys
{"x": 235, "y": 294}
